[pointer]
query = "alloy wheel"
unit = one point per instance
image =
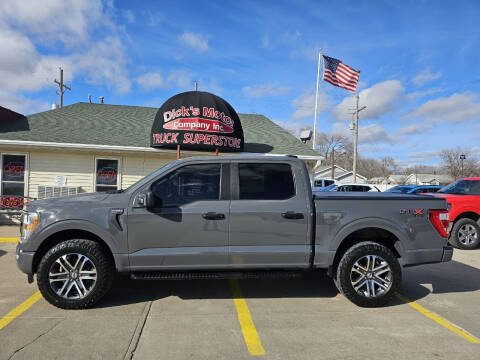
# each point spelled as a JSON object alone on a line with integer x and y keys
{"x": 72, "y": 276}
{"x": 467, "y": 234}
{"x": 371, "y": 276}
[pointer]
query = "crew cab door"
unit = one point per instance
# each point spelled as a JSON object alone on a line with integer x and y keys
{"x": 189, "y": 228}
{"x": 269, "y": 218}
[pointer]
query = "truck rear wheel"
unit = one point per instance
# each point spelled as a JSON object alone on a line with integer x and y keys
{"x": 368, "y": 274}
{"x": 465, "y": 234}
{"x": 75, "y": 274}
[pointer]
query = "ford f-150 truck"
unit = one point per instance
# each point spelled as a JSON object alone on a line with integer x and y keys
{"x": 463, "y": 202}
{"x": 224, "y": 217}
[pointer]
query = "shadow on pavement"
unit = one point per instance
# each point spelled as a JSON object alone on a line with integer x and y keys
{"x": 2, "y": 252}
{"x": 127, "y": 291}
{"x": 452, "y": 277}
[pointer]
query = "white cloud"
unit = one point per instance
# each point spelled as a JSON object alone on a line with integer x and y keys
{"x": 426, "y": 76}
{"x": 369, "y": 134}
{"x": 105, "y": 63}
{"x": 150, "y": 81}
{"x": 379, "y": 99}
{"x": 129, "y": 16}
{"x": 459, "y": 107}
{"x": 180, "y": 79}
{"x": 423, "y": 156}
{"x": 26, "y": 27}
{"x": 262, "y": 90}
{"x": 195, "y": 41}
{"x": 416, "y": 128}
{"x": 305, "y": 104}
{"x": 65, "y": 20}
{"x": 21, "y": 104}
{"x": 22, "y": 68}
{"x": 374, "y": 134}
{"x": 419, "y": 94}
{"x": 293, "y": 126}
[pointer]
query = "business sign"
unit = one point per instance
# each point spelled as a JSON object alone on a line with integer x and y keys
{"x": 197, "y": 120}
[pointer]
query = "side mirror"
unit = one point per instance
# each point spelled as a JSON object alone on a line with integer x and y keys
{"x": 151, "y": 201}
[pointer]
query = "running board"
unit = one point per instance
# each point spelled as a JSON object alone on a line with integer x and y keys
{"x": 200, "y": 275}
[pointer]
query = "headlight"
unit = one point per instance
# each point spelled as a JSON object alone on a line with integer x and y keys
{"x": 30, "y": 222}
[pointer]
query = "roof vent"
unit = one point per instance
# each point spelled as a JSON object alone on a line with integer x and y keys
{"x": 54, "y": 106}
{"x": 101, "y": 99}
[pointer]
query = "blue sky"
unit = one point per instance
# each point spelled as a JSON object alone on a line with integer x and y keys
{"x": 418, "y": 62}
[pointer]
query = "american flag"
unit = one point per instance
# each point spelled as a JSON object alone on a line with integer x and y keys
{"x": 337, "y": 73}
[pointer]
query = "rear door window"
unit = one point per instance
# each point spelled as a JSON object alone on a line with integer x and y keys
{"x": 262, "y": 181}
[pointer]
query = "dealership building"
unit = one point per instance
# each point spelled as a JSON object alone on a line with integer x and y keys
{"x": 86, "y": 147}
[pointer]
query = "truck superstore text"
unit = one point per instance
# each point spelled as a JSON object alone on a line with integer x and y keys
{"x": 191, "y": 138}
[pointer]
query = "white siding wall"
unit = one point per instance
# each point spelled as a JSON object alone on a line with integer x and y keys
{"x": 135, "y": 167}
{"x": 45, "y": 165}
{"x": 79, "y": 167}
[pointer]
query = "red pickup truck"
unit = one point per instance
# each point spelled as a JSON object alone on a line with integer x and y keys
{"x": 463, "y": 201}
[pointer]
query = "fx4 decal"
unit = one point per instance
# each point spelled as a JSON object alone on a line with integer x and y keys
{"x": 414, "y": 212}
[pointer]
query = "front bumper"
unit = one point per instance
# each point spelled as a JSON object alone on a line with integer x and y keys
{"x": 24, "y": 260}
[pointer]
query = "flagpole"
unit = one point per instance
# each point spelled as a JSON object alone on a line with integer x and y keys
{"x": 316, "y": 101}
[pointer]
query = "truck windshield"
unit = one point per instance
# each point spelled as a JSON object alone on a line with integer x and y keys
{"x": 462, "y": 187}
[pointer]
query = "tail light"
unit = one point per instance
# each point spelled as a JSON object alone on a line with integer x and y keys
{"x": 440, "y": 221}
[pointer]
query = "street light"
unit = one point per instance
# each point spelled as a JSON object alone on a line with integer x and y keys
{"x": 462, "y": 157}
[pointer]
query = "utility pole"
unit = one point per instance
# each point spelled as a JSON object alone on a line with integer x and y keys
{"x": 462, "y": 158}
{"x": 355, "y": 137}
{"x": 61, "y": 86}
{"x": 333, "y": 164}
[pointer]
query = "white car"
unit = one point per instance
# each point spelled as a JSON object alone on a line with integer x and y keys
{"x": 321, "y": 184}
{"x": 356, "y": 187}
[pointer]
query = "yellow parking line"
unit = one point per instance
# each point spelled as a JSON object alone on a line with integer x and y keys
{"x": 250, "y": 335}
{"x": 439, "y": 320}
{"x": 10, "y": 240}
{"x": 20, "y": 309}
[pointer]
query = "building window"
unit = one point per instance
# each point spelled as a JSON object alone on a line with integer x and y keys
{"x": 13, "y": 181}
{"x": 106, "y": 174}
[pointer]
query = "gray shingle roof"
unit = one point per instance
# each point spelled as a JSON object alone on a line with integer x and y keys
{"x": 120, "y": 125}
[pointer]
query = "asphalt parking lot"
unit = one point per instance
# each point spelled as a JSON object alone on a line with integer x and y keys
{"x": 274, "y": 319}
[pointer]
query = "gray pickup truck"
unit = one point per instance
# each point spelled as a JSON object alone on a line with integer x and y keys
{"x": 224, "y": 217}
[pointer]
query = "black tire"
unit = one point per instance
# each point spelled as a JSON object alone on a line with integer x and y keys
{"x": 96, "y": 254}
{"x": 358, "y": 252}
{"x": 465, "y": 242}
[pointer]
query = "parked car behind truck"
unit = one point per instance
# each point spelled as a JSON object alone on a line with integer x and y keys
{"x": 223, "y": 217}
{"x": 463, "y": 198}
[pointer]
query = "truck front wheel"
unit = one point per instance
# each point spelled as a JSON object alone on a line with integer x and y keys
{"x": 75, "y": 274}
{"x": 368, "y": 274}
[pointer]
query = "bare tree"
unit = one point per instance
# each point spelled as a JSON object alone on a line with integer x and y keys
{"x": 387, "y": 166}
{"x": 452, "y": 164}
